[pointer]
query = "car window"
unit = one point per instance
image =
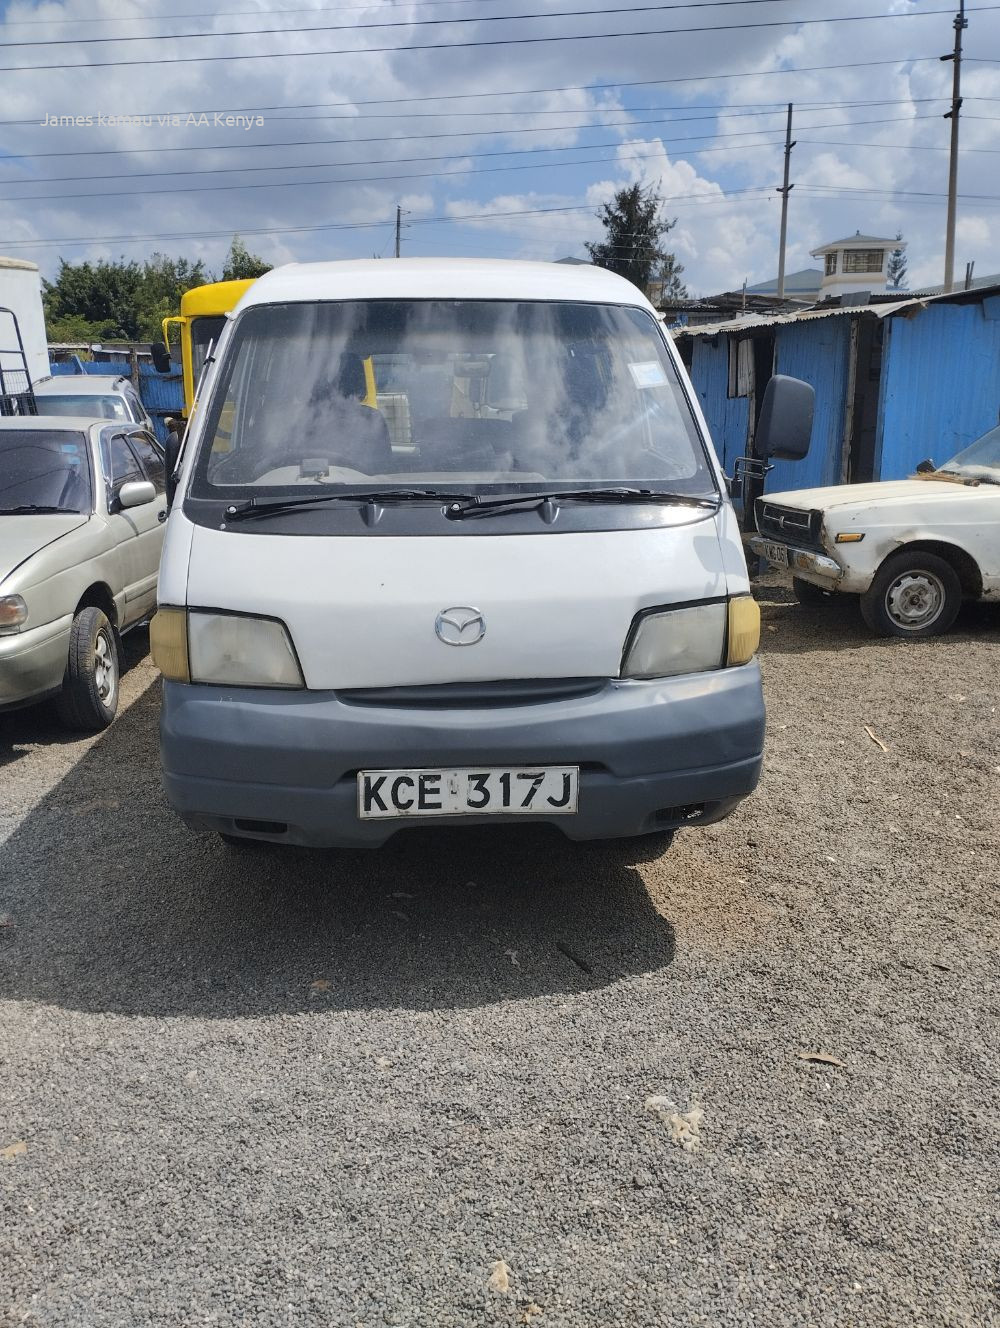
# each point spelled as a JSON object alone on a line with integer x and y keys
{"x": 151, "y": 456}
{"x": 135, "y": 406}
{"x": 44, "y": 469}
{"x": 119, "y": 462}
{"x": 93, "y": 407}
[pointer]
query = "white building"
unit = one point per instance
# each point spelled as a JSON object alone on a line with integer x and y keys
{"x": 857, "y": 263}
{"x": 21, "y": 293}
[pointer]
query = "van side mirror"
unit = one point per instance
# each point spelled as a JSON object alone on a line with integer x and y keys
{"x": 784, "y": 430}
{"x": 161, "y": 357}
{"x": 171, "y": 456}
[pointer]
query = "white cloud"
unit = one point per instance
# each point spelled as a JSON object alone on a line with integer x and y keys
{"x": 720, "y": 240}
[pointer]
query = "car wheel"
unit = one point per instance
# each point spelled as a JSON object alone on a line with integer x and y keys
{"x": 808, "y": 594}
{"x": 89, "y": 696}
{"x": 913, "y": 594}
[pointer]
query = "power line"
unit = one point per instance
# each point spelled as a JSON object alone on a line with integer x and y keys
{"x": 393, "y": 23}
{"x": 400, "y": 138}
{"x": 368, "y": 179}
{"x": 733, "y": 194}
{"x": 362, "y": 179}
{"x": 530, "y": 92}
{"x": 494, "y": 41}
{"x": 299, "y": 9}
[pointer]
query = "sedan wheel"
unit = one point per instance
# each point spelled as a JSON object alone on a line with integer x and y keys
{"x": 89, "y": 696}
{"x": 912, "y": 594}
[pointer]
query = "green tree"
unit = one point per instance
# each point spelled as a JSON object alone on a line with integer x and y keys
{"x": 666, "y": 282}
{"x": 112, "y": 301}
{"x": 241, "y": 264}
{"x": 632, "y": 245}
{"x": 102, "y": 292}
{"x": 895, "y": 269}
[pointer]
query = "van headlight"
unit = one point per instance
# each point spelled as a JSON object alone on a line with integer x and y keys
{"x": 693, "y": 639}
{"x": 232, "y": 649}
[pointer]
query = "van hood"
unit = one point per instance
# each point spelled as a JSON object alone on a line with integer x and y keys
{"x": 362, "y": 611}
{"x": 21, "y": 537}
{"x": 869, "y": 495}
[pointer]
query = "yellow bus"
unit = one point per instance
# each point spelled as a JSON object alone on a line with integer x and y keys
{"x": 200, "y": 322}
{"x": 201, "y": 319}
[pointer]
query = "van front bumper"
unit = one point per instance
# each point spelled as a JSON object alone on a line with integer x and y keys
{"x": 282, "y": 765}
{"x": 33, "y": 663}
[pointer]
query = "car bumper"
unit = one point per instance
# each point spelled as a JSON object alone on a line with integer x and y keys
{"x": 33, "y": 663}
{"x": 652, "y": 755}
{"x": 818, "y": 568}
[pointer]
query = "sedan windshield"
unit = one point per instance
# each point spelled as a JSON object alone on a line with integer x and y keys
{"x": 94, "y": 407}
{"x": 43, "y": 470}
{"x": 979, "y": 461}
{"x": 479, "y": 395}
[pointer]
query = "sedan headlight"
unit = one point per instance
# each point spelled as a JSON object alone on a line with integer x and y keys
{"x": 693, "y": 639}
{"x": 13, "y": 613}
{"x": 231, "y": 649}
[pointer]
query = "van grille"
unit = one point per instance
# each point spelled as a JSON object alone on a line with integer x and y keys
{"x": 789, "y": 525}
{"x": 462, "y": 695}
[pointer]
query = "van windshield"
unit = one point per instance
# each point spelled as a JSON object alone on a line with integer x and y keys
{"x": 481, "y": 395}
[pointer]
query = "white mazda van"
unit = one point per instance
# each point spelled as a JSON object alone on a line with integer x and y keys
{"x": 449, "y": 544}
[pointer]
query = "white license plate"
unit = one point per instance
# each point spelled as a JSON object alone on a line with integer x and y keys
{"x": 524, "y": 791}
{"x": 776, "y": 553}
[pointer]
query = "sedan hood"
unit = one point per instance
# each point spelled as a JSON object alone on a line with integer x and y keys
{"x": 23, "y": 536}
{"x": 870, "y": 495}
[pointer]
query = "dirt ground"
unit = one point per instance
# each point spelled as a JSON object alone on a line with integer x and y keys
{"x": 428, "y": 1086}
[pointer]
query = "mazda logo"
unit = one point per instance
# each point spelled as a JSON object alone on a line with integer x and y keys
{"x": 460, "y": 626}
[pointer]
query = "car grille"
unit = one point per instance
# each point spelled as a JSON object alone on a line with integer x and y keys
{"x": 789, "y": 525}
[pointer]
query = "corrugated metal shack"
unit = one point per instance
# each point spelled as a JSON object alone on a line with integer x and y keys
{"x": 896, "y": 381}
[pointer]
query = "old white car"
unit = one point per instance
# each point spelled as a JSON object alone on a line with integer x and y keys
{"x": 82, "y": 512}
{"x": 913, "y": 549}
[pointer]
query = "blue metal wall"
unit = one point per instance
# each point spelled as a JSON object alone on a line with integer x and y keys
{"x": 161, "y": 394}
{"x": 940, "y": 384}
{"x": 817, "y": 351}
{"x": 728, "y": 417}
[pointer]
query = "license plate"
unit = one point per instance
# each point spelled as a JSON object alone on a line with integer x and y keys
{"x": 776, "y": 553}
{"x": 487, "y": 791}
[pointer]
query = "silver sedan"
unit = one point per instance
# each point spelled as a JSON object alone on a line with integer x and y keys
{"x": 82, "y": 512}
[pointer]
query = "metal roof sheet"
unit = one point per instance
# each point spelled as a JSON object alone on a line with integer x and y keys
{"x": 860, "y": 241}
{"x": 880, "y": 310}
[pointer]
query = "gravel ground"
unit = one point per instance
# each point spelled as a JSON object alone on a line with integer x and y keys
{"x": 336, "y": 1090}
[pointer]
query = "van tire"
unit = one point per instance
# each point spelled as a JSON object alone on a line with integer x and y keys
{"x": 808, "y": 594}
{"x": 91, "y": 684}
{"x": 913, "y": 594}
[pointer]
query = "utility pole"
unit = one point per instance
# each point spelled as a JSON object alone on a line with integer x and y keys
{"x": 961, "y": 23}
{"x": 784, "y": 191}
{"x": 399, "y": 226}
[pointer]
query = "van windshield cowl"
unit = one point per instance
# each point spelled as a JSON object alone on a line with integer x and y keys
{"x": 451, "y": 400}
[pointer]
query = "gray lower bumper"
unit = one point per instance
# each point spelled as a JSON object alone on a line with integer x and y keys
{"x": 652, "y": 755}
{"x": 32, "y": 664}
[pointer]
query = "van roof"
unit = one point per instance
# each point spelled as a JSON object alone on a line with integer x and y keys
{"x": 441, "y": 278}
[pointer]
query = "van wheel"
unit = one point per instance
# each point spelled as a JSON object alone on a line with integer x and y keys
{"x": 89, "y": 696}
{"x": 913, "y": 594}
{"x": 806, "y": 593}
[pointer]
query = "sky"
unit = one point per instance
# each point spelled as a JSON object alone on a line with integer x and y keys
{"x": 502, "y": 137}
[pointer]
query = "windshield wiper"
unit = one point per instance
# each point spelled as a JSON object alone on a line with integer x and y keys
{"x": 253, "y": 507}
{"x": 35, "y": 507}
{"x": 477, "y": 507}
